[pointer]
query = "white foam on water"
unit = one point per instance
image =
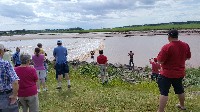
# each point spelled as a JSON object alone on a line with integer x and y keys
{"x": 77, "y": 47}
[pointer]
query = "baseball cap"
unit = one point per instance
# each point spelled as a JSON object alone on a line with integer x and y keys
{"x": 59, "y": 41}
{"x": 173, "y": 33}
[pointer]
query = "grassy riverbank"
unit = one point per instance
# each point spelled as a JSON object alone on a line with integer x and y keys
{"x": 87, "y": 94}
{"x": 141, "y": 28}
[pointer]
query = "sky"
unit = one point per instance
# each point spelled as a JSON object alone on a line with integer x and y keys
{"x": 93, "y": 14}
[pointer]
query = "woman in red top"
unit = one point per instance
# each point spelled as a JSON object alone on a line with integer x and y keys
{"x": 155, "y": 68}
{"x": 27, "y": 92}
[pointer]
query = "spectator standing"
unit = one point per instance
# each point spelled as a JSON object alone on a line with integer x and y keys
{"x": 8, "y": 85}
{"x": 16, "y": 57}
{"x": 38, "y": 60}
{"x": 155, "y": 68}
{"x": 62, "y": 68}
{"x": 102, "y": 61}
{"x": 131, "y": 59}
{"x": 172, "y": 58}
{"x": 27, "y": 93}
{"x": 39, "y": 45}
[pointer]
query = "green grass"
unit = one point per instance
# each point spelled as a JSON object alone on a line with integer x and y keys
{"x": 140, "y": 28}
{"x": 89, "y": 95}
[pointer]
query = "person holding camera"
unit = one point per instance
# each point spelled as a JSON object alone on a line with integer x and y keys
{"x": 155, "y": 68}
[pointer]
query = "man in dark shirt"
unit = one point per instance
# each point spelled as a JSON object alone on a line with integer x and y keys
{"x": 131, "y": 59}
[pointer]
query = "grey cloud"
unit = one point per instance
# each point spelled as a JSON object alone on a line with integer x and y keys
{"x": 16, "y": 11}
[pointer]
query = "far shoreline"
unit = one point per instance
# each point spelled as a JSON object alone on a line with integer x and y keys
{"x": 96, "y": 34}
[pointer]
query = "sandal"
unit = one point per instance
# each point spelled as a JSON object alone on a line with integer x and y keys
{"x": 180, "y": 107}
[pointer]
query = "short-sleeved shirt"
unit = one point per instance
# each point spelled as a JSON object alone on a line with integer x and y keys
{"x": 16, "y": 58}
{"x": 28, "y": 78}
{"x": 101, "y": 59}
{"x": 155, "y": 67}
{"x": 173, "y": 56}
{"x": 7, "y": 75}
{"x": 60, "y": 54}
{"x": 131, "y": 55}
{"x": 38, "y": 61}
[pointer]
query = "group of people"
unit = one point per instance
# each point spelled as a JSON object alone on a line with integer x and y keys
{"x": 21, "y": 83}
{"x": 168, "y": 68}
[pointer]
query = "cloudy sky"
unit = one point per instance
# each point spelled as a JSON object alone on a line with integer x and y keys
{"x": 90, "y": 14}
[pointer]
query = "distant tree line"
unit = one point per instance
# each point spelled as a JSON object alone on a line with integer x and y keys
{"x": 170, "y": 23}
{"x": 23, "y": 32}
{"x": 159, "y": 26}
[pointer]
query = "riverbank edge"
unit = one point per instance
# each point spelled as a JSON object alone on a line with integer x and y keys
{"x": 96, "y": 34}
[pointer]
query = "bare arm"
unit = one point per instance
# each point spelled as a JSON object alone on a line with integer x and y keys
{"x": 15, "y": 87}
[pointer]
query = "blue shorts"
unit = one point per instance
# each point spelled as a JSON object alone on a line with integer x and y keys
{"x": 61, "y": 69}
{"x": 165, "y": 83}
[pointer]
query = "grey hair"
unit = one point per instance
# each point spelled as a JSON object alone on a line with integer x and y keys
{"x": 25, "y": 58}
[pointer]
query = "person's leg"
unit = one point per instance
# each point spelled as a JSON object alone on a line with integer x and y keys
{"x": 33, "y": 103}
{"x": 130, "y": 63}
{"x": 162, "y": 103}
{"x": 66, "y": 72}
{"x": 59, "y": 81}
{"x": 24, "y": 104}
{"x": 38, "y": 82}
{"x": 105, "y": 75}
{"x": 179, "y": 90}
{"x": 59, "y": 75}
{"x": 164, "y": 86}
{"x": 181, "y": 98}
{"x": 46, "y": 69}
{"x": 43, "y": 75}
{"x": 102, "y": 73}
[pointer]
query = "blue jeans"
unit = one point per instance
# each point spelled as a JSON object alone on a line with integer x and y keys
{"x": 5, "y": 105}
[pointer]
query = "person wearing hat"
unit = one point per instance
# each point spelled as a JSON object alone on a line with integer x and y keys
{"x": 8, "y": 85}
{"x": 172, "y": 58}
{"x": 155, "y": 68}
{"x": 61, "y": 65}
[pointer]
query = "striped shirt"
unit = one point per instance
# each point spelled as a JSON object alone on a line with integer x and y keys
{"x": 7, "y": 75}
